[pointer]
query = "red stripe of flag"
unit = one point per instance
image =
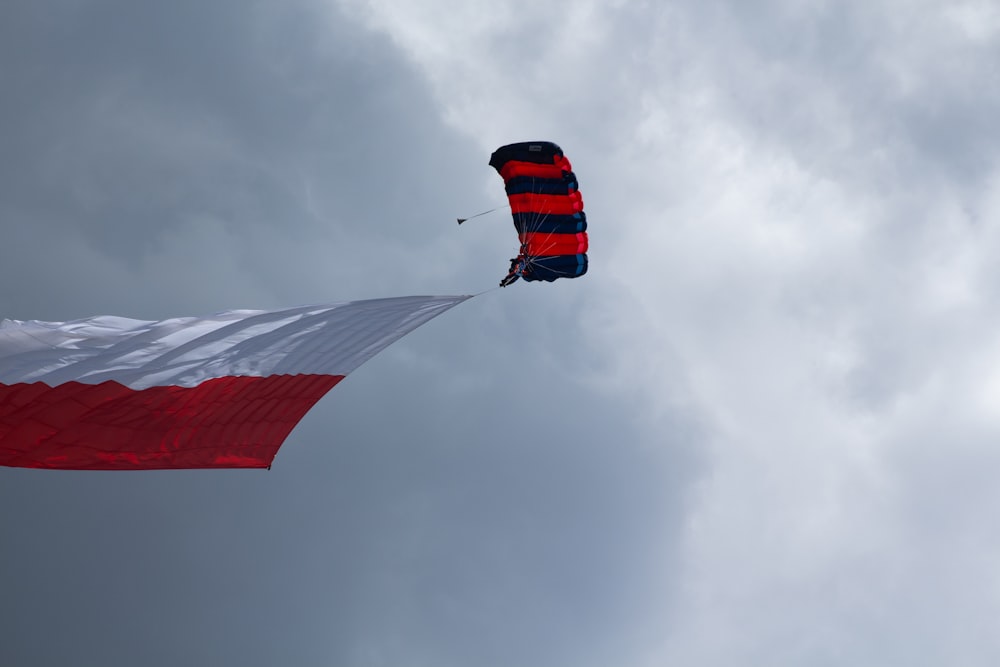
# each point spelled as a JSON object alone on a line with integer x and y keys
{"x": 228, "y": 422}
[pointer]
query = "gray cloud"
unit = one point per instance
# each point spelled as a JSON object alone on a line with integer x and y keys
{"x": 471, "y": 495}
{"x": 250, "y": 129}
{"x": 757, "y": 432}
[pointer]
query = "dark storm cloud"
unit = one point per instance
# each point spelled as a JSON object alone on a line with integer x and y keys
{"x": 258, "y": 126}
{"x": 466, "y": 497}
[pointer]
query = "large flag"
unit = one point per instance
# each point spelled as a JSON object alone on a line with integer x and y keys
{"x": 112, "y": 393}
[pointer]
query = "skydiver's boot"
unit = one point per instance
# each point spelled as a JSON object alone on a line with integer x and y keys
{"x": 511, "y": 277}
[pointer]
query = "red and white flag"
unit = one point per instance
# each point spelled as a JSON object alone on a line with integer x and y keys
{"x": 111, "y": 393}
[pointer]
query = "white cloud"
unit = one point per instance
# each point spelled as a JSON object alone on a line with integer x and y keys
{"x": 781, "y": 248}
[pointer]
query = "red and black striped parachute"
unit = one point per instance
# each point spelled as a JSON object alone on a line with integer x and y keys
{"x": 548, "y": 212}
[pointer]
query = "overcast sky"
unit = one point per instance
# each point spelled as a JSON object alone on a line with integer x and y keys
{"x": 763, "y": 430}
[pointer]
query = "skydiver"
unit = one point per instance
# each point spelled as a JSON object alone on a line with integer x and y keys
{"x": 514, "y": 273}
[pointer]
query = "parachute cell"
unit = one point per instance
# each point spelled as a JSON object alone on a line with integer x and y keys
{"x": 111, "y": 393}
{"x": 547, "y": 207}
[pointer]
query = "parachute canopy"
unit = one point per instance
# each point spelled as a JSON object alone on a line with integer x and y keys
{"x": 548, "y": 212}
{"x": 111, "y": 393}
